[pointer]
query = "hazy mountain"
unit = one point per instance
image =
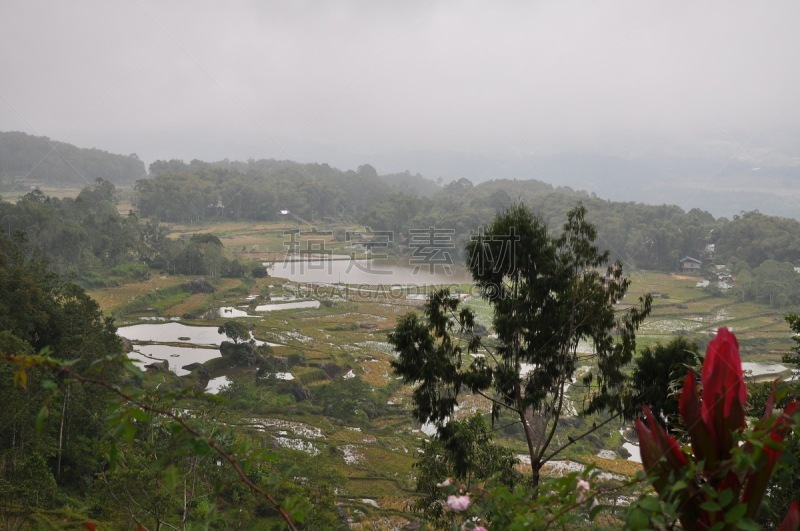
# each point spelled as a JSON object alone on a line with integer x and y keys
{"x": 27, "y": 159}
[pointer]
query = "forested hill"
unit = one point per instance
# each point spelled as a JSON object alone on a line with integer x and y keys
{"x": 29, "y": 160}
{"x": 645, "y": 236}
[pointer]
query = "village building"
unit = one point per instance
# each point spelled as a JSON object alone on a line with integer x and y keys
{"x": 690, "y": 265}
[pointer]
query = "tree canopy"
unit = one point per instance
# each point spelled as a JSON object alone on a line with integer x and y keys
{"x": 548, "y": 294}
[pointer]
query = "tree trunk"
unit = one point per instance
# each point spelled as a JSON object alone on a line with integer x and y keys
{"x": 61, "y": 431}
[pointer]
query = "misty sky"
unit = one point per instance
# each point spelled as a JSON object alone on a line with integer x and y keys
{"x": 350, "y": 82}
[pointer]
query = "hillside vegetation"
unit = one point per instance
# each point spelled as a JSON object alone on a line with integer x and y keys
{"x": 27, "y": 160}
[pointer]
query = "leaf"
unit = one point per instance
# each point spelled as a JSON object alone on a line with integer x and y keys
{"x": 296, "y": 507}
{"x": 638, "y": 519}
{"x": 678, "y": 486}
{"x": 113, "y": 454}
{"x": 651, "y": 504}
{"x": 21, "y": 378}
{"x": 171, "y": 477}
{"x": 199, "y": 446}
{"x": 710, "y": 506}
{"x": 736, "y": 513}
{"x": 593, "y": 512}
{"x": 138, "y": 414}
{"x": 41, "y": 416}
{"x": 748, "y": 525}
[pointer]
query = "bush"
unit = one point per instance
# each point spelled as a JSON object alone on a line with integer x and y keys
{"x": 257, "y": 270}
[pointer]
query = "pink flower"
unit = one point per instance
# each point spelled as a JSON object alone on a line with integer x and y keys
{"x": 583, "y": 488}
{"x": 458, "y": 503}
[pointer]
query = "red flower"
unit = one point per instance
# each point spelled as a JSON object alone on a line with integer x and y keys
{"x": 792, "y": 519}
{"x": 724, "y": 391}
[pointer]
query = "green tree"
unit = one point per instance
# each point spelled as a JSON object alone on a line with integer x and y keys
{"x": 794, "y": 323}
{"x": 235, "y": 331}
{"x": 38, "y": 310}
{"x": 548, "y": 294}
{"x": 658, "y": 377}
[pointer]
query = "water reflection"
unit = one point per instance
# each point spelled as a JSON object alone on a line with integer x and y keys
{"x": 177, "y": 357}
{"x": 173, "y": 333}
{"x": 367, "y": 272}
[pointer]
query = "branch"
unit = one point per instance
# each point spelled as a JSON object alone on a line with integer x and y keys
{"x": 495, "y": 401}
{"x": 593, "y": 496}
{"x": 556, "y": 416}
{"x": 573, "y": 440}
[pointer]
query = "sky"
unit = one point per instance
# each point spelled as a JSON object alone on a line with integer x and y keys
{"x": 427, "y": 86}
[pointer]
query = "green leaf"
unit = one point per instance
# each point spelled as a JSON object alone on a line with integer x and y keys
{"x": 125, "y": 429}
{"x": 139, "y": 414}
{"x": 710, "y": 506}
{"x": 21, "y": 378}
{"x": 638, "y": 519}
{"x": 747, "y": 524}
{"x": 41, "y": 416}
{"x": 171, "y": 477}
{"x": 296, "y": 507}
{"x": 113, "y": 454}
{"x": 725, "y": 498}
{"x": 736, "y": 513}
{"x": 199, "y": 446}
{"x": 133, "y": 369}
{"x": 650, "y": 504}
{"x": 678, "y": 486}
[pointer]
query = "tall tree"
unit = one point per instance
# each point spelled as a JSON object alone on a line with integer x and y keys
{"x": 39, "y": 310}
{"x": 548, "y": 293}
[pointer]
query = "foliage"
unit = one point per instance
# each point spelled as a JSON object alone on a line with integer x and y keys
{"x": 794, "y": 323}
{"x": 87, "y": 238}
{"x": 40, "y": 311}
{"x": 547, "y": 295}
{"x": 657, "y": 376}
{"x": 774, "y": 283}
{"x": 575, "y": 500}
{"x": 348, "y": 399}
{"x": 234, "y": 330}
{"x": 38, "y": 158}
{"x": 466, "y": 453}
{"x": 785, "y": 482}
{"x": 721, "y": 483}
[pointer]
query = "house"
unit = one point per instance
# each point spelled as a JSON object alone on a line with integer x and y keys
{"x": 690, "y": 265}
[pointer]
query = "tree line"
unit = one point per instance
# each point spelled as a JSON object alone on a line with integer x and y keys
{"x": 644, "y": 236}
{"x": 88, "y": 239}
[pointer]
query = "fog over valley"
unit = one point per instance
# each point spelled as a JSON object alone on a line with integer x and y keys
{"x": 647, "y": 101}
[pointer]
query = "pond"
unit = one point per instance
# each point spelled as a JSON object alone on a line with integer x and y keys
{"x": 762, "y": 370}
{"x": 177, "y": 357}
{"x": 173, "y": 333}
{"x": 216, "y": 384}
{"x": 197, "y": 337}
{"x": 368, "y": 272}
